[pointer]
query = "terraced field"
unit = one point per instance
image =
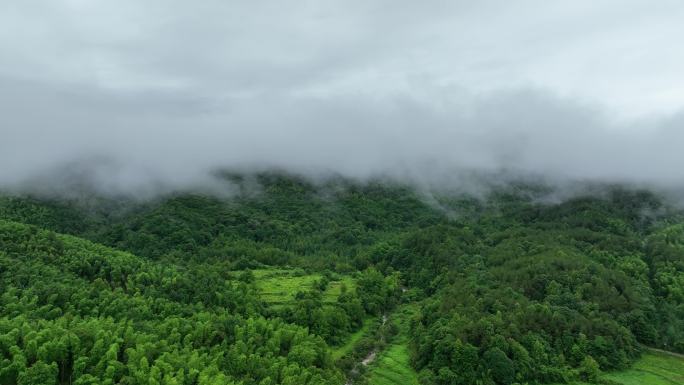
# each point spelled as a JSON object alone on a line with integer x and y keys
{"x": 279, "y": 286}
{"x": 340, "y": 351}
{"x": 392, "y": 366}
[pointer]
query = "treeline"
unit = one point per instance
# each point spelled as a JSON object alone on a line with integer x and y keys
{"x": 285, "y": 220}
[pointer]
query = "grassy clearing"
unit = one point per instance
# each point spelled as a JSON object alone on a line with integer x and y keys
{"x": 393, "y": 365}
{"x": 652, "y": 369}
{"x": 278, "y": 287}
{"x": 335, "y": 288}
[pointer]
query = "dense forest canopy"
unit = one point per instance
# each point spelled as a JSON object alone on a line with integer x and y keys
{"x": 508, "y": 286}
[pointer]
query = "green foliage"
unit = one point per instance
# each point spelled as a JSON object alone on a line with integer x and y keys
{"x": 393, "y": 365}
{"x": 499, "y": 366}
{"x": 39, "y": 373}
{"x": 651, "y": 369}
{"x": 255, "y": 288}
{"x": 589, "y": 369}
{"x": 376, "y": 292}
{"x": 74, "y": 311}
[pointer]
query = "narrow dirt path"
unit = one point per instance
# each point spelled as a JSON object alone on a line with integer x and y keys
{"x": 669, "y": 353}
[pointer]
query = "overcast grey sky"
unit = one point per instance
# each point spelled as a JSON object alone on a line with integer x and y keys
{"x": 163, "y": 91}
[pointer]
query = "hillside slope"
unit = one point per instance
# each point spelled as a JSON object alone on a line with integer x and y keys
{"x": 77, "y": 312}
{"x": 508, "y": 287}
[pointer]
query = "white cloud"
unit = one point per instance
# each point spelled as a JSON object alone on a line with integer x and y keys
{"x": 171, "y": 89}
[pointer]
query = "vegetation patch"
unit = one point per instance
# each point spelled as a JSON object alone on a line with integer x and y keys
{"x": 651, "y": 369}
{"x": 393, "y": 366}
{"x": 344, "y": 349}
{"x": 291, "y": 286}
{"x": 278, "y": 287}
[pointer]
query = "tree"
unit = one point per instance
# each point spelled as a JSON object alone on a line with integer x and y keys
{"x": 39, "y": 374}
{"x": 372, "y": 291}
{"x": 589, "y": 369}
{"x": 500, "y": 367}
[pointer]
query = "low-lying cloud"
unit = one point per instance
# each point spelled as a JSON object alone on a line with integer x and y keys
{"x": 164, "y": 99}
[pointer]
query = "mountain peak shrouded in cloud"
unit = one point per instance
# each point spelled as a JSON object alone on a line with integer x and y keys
{"x": 164, "y": 94}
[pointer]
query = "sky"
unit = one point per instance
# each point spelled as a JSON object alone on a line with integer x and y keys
{"x": 143, "y": 94}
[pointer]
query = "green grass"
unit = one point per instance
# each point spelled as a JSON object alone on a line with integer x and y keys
{"x": 652, "y": 369}
{"x": 334, "y": 288}
{"x": 340, "y": 351}
{"x": 278, "y": 287}
{"x": 393, "y": 365}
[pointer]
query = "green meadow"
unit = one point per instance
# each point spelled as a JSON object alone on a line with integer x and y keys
{"x": 278, "y": 287}
{"x": 392, "y": 366}
{"x": 653, "y": 368}
{"x": 342, "y": 350}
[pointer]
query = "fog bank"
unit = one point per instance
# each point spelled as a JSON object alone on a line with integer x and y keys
{"x": 141, "y": 98}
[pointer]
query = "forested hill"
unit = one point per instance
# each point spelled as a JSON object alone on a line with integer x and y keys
{"x": 273, "y": 284}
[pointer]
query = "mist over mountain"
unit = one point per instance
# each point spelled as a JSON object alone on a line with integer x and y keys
{"x": 150, "y": 97}
{"x": 326, "y": 192}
